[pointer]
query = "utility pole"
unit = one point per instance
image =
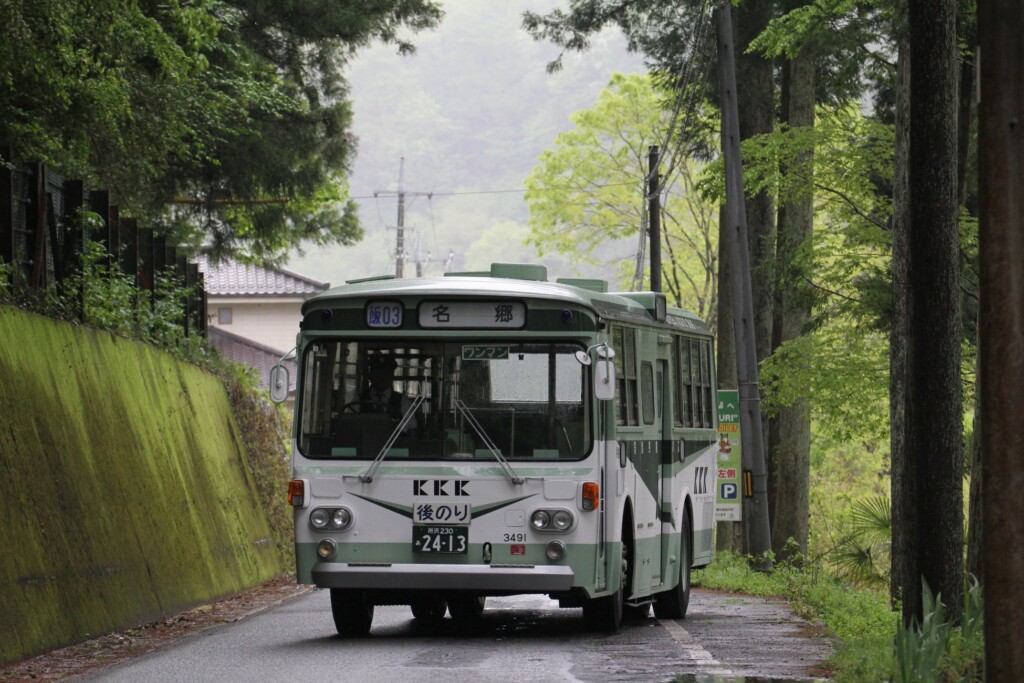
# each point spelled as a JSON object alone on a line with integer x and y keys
{"x": 755, "y": 480}
{"x": 400, "y": 254}
{"x": 654, "y": 215}
{"x": 400, "y": 233}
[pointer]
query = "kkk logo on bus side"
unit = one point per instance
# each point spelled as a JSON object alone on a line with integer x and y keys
{"x": 440, "y": 487}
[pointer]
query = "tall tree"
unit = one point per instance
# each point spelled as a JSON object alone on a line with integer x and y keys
{"x": 238, "y": 108}
{"x": 1002, "y": 332}
{"x": 790, "y": 431}
{"x": 933, "y": 451}
{"x": 586, "y": 195}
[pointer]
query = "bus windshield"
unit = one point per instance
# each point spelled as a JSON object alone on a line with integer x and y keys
{"x": 525, "y": 400}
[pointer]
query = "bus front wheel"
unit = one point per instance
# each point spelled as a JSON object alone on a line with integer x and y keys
{"x": 673, "y": 603}
{"x": 352, "y": 611}
{"x": 605, "y": 613}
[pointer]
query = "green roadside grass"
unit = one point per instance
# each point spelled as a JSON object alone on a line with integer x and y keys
{"x": 859, "y": 621}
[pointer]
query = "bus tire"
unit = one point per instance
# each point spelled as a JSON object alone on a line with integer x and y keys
{"x": 605, "y": 613}
{"x": 673, "y": 603}
{"x": 429, "y": 607}
{"x": 466, "y": 607}
{"x": 352, "y": 611}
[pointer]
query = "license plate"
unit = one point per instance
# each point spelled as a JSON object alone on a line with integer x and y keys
{"x": 449, "y": 540}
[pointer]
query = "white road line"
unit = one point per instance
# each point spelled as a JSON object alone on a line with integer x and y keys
{"x": 691, "y": 648}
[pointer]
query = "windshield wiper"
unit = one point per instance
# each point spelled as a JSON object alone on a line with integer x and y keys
{"x": 471, "y": 419}
{"x": 367, "y": 476}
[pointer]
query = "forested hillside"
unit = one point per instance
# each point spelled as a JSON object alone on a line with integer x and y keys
{"x": 471, "y": 111}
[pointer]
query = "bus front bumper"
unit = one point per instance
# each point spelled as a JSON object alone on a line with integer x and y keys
{"x": 489, "y": 577}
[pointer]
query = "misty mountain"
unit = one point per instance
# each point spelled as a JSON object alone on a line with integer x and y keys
{"x": 470, "y": 112}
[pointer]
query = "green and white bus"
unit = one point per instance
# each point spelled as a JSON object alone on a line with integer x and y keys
{"x": 537, "y": 437}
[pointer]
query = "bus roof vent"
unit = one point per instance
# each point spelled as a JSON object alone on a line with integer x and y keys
{"x": 374, "y": 278}
{"x": 520, "y": 271}
{"x": 599, "y": 286}
{"x": 469, "y": 273}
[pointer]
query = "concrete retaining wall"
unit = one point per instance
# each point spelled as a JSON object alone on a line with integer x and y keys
{"x": 124, "y": 489}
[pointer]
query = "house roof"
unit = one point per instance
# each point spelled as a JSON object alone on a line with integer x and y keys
{"x": 231, "y": 278}
{"x": 236, "y": 349}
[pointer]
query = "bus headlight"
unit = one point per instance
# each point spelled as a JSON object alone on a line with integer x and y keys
{"x": 561, "y": 520}
{"x": 552, "y": 520}
{"x": 540, "y": 520}
{"x": 318, "y": 519}
{"x": 330, "y": 519}
{"x": 341, "y": 518}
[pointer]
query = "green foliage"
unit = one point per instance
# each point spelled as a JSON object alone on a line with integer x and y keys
{"x": 862, "y": 620}
{"x": 587, "y": 192}
{"x": 919, "y": 647}
{"x": 863, "y": 557}
{"x": 263, "y": 428}
{"x": 228, "y": 103}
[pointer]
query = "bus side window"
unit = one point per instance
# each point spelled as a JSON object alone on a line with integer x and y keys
{"x": 647, "y": 391}
{"x": 705, "y": 377}
{"x": 684, "y": 415}
{"x": 624, "y": 342}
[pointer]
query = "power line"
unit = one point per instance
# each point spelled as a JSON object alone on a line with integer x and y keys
{"x": 431, "y": 195}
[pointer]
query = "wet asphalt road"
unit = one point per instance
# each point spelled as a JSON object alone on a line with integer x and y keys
{"x": 524, "y": 638}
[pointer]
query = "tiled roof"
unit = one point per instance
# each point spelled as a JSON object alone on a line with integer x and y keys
{"x": 236, "y": 349}
{"x": 230, "y": 278}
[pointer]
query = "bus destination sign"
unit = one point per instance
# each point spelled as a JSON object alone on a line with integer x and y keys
{"x": 473, "y": 315}
{"x": 383, "y": 314}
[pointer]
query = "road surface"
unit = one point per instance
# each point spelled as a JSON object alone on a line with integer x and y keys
{"x": 725, "y": 637}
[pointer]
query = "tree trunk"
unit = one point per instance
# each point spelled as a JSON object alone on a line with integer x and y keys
{"x": 1001, "y": 352}
{"x": 934, "y": 417}
{"x": 790, "y": 444}
{"x": 756, "y": 104}
{"x": 902, "y": 486}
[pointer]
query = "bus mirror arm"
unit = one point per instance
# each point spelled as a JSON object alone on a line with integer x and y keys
{"x": 367, "y": 476}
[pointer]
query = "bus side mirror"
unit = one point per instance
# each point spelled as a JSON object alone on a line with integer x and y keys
{"x": 279, "y": 380}
{"x": 604, "y": 374}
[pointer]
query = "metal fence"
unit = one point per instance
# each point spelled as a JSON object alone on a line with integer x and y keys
{"x": 43, "y": 238}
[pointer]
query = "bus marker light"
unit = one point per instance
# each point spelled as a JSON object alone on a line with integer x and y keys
{"x": 297, "y": 493}
{"x": 591, "y": 495}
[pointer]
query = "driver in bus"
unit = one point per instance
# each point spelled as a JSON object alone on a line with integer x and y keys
{"x": 380, "y": 396}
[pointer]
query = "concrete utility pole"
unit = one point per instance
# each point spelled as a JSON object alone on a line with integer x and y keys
{"x": 755, "y": 503}
{"x": 400, "y": 254}
{"x": 1001, "y": 347}
{"x": 654, "y": 215}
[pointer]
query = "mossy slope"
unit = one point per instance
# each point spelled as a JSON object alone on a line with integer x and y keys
{"x": 124, "y": 490}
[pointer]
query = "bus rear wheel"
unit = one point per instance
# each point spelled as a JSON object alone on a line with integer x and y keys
{"x": 465, "y": 607}
{"x": 352, "y": 611}
{"x": 673, "y": 603}
{"x": 429, "y": 608}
